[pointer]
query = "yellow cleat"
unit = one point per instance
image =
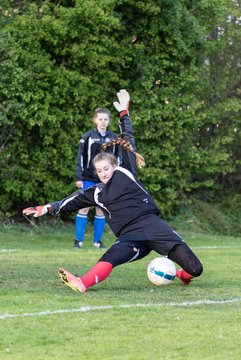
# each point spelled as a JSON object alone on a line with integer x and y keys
{"x": 74, "y": 282}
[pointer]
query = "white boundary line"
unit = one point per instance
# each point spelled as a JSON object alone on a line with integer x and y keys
{"x": 124, "y": 306}
{"x": 8, "y": 250}
{"x": 214, "y": 247}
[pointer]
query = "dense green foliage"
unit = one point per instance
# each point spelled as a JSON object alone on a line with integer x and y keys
{"x": 180, "y": 61}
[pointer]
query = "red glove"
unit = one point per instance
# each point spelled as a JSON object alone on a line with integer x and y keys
{"x": 122, "y": 106}
{"x": 37, "y": 211}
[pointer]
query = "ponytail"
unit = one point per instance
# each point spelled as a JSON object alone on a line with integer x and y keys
{"x": 125, "y": 144}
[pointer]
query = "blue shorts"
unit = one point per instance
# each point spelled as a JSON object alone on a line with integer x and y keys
{"x": 87, "y": 184}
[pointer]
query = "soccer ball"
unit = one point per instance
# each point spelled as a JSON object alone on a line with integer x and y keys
{"x": 161, "y": 271}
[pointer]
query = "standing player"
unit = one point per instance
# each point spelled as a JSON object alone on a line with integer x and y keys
{"x": 86, "y": 177}
{"x": 130, "y": 211}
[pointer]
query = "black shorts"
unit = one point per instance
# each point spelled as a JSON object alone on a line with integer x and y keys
{"x": 140, "y": 238}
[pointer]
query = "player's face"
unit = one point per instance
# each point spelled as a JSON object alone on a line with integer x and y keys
{"x": 104, "y": 169}
{"x": 102, "y": 121}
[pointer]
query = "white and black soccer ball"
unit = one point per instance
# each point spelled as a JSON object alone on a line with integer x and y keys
{"x": 161, "y": 271}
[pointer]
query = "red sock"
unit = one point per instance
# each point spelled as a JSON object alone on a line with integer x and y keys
{"x": 98, "y": 273}
{"x": 184, "y": 276}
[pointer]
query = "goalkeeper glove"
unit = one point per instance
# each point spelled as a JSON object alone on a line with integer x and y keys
{"x": 122, "y": 106}
{"x": 37, "y": 211}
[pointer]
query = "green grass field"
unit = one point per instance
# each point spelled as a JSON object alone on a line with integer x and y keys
{"x": 125, "y": 317}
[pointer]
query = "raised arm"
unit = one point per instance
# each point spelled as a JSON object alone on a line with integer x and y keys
{"x": 122, "y": 106}
{"x": 130, "y": 158}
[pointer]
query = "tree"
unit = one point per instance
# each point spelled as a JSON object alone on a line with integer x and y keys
{"x": 54, "y": 71}
{"x": 59, "y": 62}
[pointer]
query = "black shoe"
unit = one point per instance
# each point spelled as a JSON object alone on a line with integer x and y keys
{"x": 99, "y": 245}
{"x": 78, "y": 244}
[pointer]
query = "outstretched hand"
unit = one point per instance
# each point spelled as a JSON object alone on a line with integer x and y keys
{"x": 123, "y": 101}
{"x": 37, "y": 210}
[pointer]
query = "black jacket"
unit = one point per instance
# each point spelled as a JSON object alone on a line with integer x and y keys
{"x": 89, "y": 146}
{"x": 123, "y": 199}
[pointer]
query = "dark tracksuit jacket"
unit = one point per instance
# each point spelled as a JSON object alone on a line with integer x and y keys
{"x": 122, "y": 199}
{"x": 89, "y": 146}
